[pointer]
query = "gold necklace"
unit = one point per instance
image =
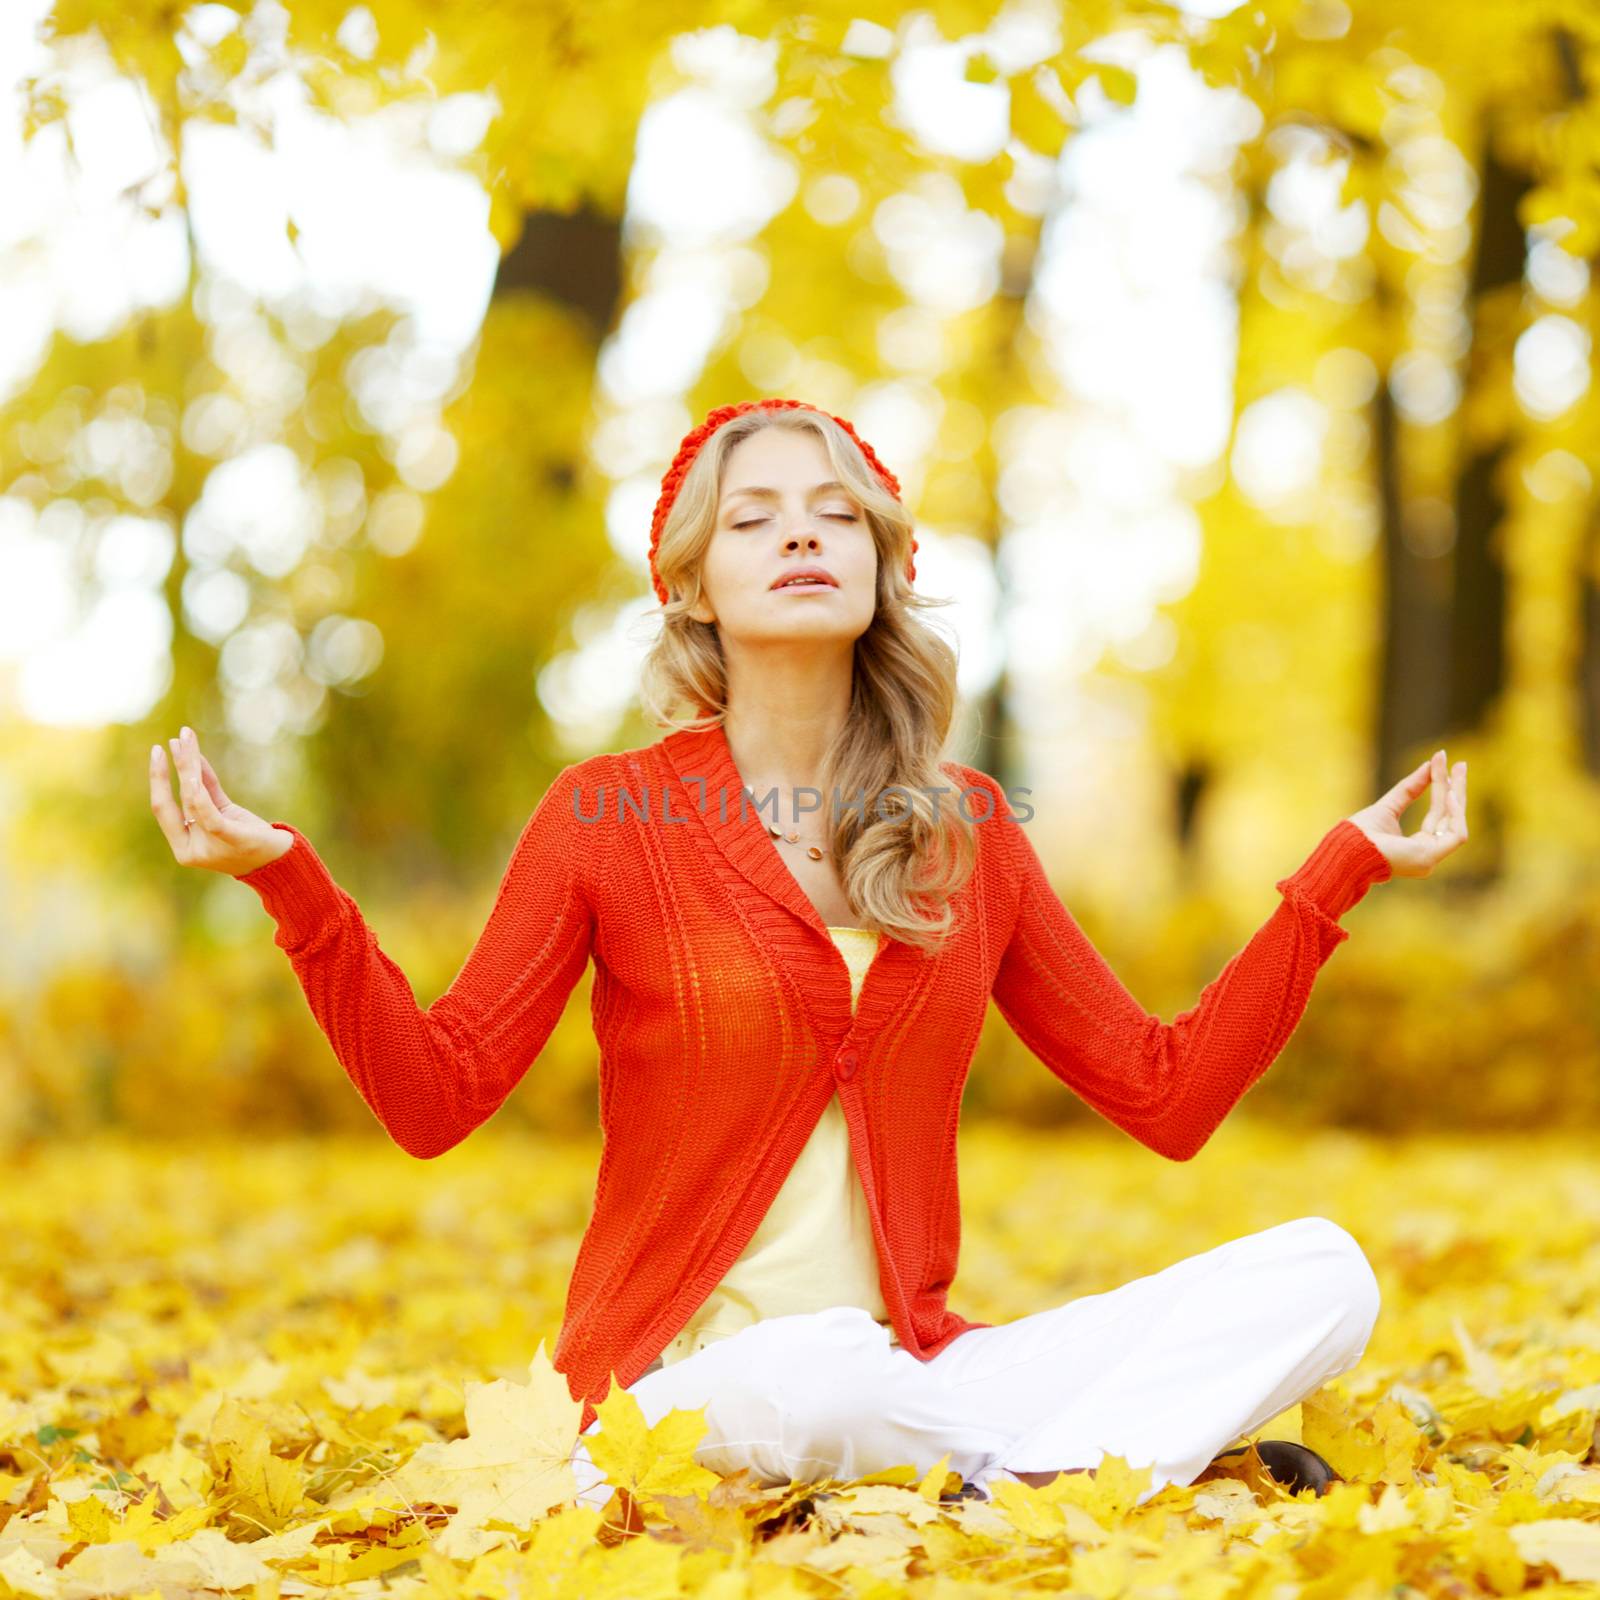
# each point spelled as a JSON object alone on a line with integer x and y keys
{"x": 814, "y": 851}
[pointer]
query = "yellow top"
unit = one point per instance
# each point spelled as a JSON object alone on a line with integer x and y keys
{"x": 814, "y": 1248}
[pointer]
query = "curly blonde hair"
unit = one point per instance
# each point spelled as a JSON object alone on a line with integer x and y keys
{"x": 902, "y": 856}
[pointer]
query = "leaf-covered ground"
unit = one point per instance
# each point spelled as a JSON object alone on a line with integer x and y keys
{"x": 284, "y": 1368}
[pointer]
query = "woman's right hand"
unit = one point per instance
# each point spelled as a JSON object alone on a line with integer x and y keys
{"x": 221, "y": 836}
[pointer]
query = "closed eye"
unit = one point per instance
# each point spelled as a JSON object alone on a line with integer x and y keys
{"x": 837, "y": 516}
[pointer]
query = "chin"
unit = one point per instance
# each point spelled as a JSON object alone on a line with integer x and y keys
{"x": 819, "y": 629}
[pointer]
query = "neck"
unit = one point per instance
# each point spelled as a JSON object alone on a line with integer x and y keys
{"x": 787, "y": 707}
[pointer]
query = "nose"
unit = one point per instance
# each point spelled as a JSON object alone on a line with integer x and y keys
{"x": 807, "y": 539}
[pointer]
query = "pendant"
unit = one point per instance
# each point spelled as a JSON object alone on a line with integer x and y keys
{"x": 794, "y": 838}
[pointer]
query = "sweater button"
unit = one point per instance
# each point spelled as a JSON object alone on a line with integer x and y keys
{"x": 845, "y": 1064}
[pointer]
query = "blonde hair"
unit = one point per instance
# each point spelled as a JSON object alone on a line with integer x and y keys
{"x": 901, "y": 858}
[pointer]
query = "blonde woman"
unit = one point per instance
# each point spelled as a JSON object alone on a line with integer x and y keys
{"x": 797, "y": 912}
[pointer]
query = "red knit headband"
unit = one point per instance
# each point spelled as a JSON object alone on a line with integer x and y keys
{"x": 696, "y": 437}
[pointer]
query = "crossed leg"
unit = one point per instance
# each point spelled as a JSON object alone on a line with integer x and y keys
{"x": 1165, "y": 1371}
{"x": 1169, "y": 1369}
{"x": 797, "y": 1398}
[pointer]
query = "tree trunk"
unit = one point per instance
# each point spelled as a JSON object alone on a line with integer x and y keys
{"x": 1589, "y": 654}
{"x": 1478, "y": 612}
{"x": 994, "y": 743}
{"x": 1414, "y": 640}
{"x": 576, "y": 260}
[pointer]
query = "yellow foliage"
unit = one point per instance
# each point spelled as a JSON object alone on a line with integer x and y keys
{"x": 647, "y": 1461}
{"x": 336, "y": 1343}
{"x": 222, "y": 1038}
{"x": 1386, "y": 1447}
{"x": 1035, "y": 119}
{"x": 260, "y": 1485}
{"x": 1269, "y": 684}
{"x": 265, "y": 1366}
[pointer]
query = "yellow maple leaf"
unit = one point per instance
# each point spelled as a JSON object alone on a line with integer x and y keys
{"x": 856, "y": 1504}
{"x": 92, "y": 1520}
{"x": 1107, "y": 1571}
{"x": 933, "y": 1480}
{"x": 1035, "y": 1511}
{"x": 1110, "y": 1491}
{"x": 1343, "y": 1439}
{"x": 513, "y": 1466}
{"x": 181, "y": 1525}
{"x": 335, "y": 1564}
{"x": 1403, "y": 1443}
{"x": 1082, "y": 1505}
{"x": 265, "y": 1487}
{"x": 1489, "y": 1549}
{"x": 649, "y": 1461}
{"x": 1570, "y": 1546}
{"x": 1390, "y": 1511}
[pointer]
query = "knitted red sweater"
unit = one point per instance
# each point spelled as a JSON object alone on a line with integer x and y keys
{"x": 723, "y": 1016}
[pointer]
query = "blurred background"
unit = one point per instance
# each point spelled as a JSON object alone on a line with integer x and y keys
{"x": 1237, "y": 363}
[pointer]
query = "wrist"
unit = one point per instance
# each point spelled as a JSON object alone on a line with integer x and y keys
{"x": 279, "y": 842}
{"x": 1339, "y": 871}
{"x": 296, "y": 888}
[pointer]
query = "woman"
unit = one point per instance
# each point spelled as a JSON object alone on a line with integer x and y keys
{"x": 786, "y": 1002}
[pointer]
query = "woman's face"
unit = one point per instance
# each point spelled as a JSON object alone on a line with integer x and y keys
{"x": 779, "y": 515}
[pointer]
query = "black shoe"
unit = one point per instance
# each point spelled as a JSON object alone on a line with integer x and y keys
{"x": 1296, "y": 1466}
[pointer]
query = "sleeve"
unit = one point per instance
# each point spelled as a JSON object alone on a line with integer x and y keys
{"x": 1170, "y": 1085}
{"x": 432, "y": 1075}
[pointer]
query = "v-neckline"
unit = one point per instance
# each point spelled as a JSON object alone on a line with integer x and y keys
{"x": 711, "y": 792}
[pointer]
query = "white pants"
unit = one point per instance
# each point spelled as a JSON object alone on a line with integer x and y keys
{"x": 1165, "y": 1371}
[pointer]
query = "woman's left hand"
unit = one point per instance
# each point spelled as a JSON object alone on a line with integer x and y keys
{"x": 1444, "y": 829}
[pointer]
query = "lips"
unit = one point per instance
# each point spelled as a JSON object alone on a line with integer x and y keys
{"x": 814, "y": 575}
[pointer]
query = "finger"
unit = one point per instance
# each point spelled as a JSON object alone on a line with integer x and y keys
{"x": 1407, "y": 790}
{"x": 1451, "y": 830}
{"x": 197, "y": 803}
{"x": 189, "y": 784}
{"x": 213, "y": 782}
{"x": 1439, "y": 778}
{"x": 1458, "y": 801}
{"x": 161, "y": 801}
{"x": 185, "y": 815}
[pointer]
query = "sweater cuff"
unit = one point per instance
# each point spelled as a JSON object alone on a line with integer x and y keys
{"x": 297, "y": 889}
{"x": 1344, "y": 865}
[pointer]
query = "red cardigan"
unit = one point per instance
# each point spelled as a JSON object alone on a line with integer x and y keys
{"x": 723, "y": 1016}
